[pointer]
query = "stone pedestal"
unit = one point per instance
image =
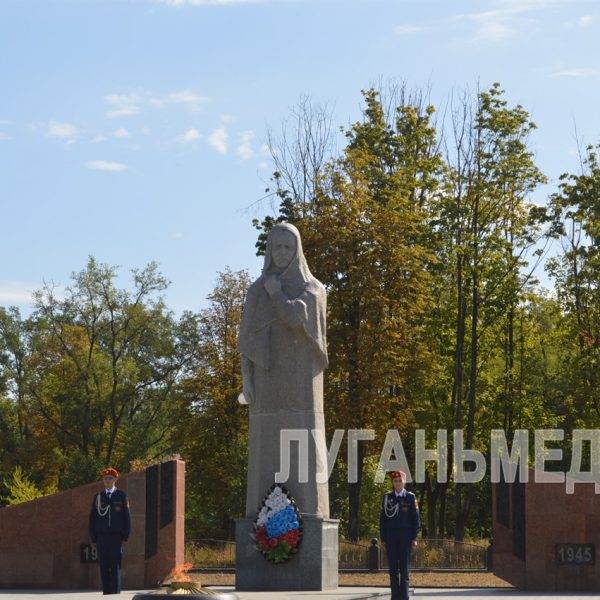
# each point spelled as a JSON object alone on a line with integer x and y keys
{"x": 313, "y": 568}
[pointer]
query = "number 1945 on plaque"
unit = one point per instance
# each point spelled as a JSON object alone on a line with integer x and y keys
{"x": 575, "y": 554}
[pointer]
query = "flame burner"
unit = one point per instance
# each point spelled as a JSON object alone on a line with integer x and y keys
{"x": 192, "y": 593}
{"x": 181, "y": 584}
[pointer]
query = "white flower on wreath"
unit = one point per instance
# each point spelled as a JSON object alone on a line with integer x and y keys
{"x": 264, "y": 515}
{"x": 276, "y": 501}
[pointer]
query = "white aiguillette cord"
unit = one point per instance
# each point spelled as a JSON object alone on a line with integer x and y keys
{"x": 391, "y": 509}
{"x": 102, "y": 511}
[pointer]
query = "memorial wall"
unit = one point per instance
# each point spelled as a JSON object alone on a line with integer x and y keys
{"x": 545, "y": 539}
{"x": 44, "y": 543}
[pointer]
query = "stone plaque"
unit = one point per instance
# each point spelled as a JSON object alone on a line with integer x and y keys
{"x": 88, "y": 553}
{"x": 575, "y": 554}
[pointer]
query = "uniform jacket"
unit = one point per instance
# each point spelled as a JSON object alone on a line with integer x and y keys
{"x": 117, "y": 518}
{"x": 399, "y": 516}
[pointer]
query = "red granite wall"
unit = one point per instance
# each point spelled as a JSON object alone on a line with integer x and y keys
{"x": 551, "y": 517}
{"x": 40, "y": 540}
{"x": 505, "y": 564}
{"x": 170, "y": 542}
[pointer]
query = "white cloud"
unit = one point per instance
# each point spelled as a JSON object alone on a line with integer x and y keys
{"x": 145, "y": 131}
{"x": 4, "y": 136}
{"x": 218, "y": 140}
{"x": 406, "y": 29}
{"x": 16, "y": 292}
{"x": 98, "y": 139}
{"x": 506, "y": 20}
{"x": 104, "y": 165}
{"x": 206, "y": 2}
{"x": 190, "y": 135}
{"x": 122, "y": 105}
{"x": 586, "y": 20}
{"x": 494, "y": 31}
{"x": 518, "y": 6}
{"x": 244, "y": 149}
{"x": 185, "y": 97}
{"x": 122, "y": 133}
{"x": 582, "y": 73}
{"x": 62, "y": 131}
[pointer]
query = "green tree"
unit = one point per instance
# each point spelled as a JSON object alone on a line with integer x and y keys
{"x": 576, "y": 222}
{"x": 486, "y": 227}
{"x": 364, "y": 236}
{"x": 213, "y": 430}
{"x": 18, "y": 444}
{"x": 97, "y": 373}
{"x": 22, "y": 489}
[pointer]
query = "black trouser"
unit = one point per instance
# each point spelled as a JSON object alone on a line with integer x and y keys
{"x": 398, "y": 554}
{"x": 110, "y": 554}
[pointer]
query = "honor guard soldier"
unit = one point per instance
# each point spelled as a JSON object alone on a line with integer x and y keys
{"x": 399, "y": 525}
{"x": 110, "y": 523}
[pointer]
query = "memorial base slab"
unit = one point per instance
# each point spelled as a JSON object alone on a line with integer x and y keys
{"x": 313, "y": 568}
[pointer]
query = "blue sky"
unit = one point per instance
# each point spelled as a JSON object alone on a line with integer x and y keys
{"x": 134, "y": 130}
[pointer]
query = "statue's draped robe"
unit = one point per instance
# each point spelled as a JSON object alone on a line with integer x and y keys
{"x": 284, "y": 338}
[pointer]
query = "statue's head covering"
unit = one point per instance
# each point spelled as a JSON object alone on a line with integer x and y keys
{"x": 297, "y": 284}
{"x": 296, "y": 274}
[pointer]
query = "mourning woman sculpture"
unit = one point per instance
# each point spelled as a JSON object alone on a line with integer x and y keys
{"x": 284, "y": 353}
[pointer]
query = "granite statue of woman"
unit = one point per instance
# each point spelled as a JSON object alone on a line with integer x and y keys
{"x": 284, "y": 353}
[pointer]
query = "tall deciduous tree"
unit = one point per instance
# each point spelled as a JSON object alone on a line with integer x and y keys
{"x": 364, "y": 236}
{"x": 101, "y": 369}
{"x": 213, "y": 431}
{"x": 576, "y": 219}
{"x": 488, "y": 225}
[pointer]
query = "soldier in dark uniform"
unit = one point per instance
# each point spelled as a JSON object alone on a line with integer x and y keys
{"x": 399, "y": 525}
{"x": 110, "y": 523}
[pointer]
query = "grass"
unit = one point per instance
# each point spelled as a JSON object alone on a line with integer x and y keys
{"x": 210, "y": 553}
{"x": 429, "y": 554}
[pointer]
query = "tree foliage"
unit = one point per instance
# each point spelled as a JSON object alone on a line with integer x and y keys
{"x": 213, "y": 430}
{"x": 424, "y": 231}
{"x": 21, "y": 489}
{"x": 423, "y": 238}
{"x": 90, "y": 374}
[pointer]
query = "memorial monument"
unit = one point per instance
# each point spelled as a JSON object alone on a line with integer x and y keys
{"x": 286, "y": 541}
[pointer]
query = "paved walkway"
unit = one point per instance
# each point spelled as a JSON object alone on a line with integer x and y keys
{"x": 343, "y": 593}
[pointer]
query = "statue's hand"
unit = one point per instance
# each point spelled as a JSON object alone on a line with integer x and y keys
{"x": 272, "y": 284}
{"x": 247, "y": 395}
{"x": 247, "y": 381}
